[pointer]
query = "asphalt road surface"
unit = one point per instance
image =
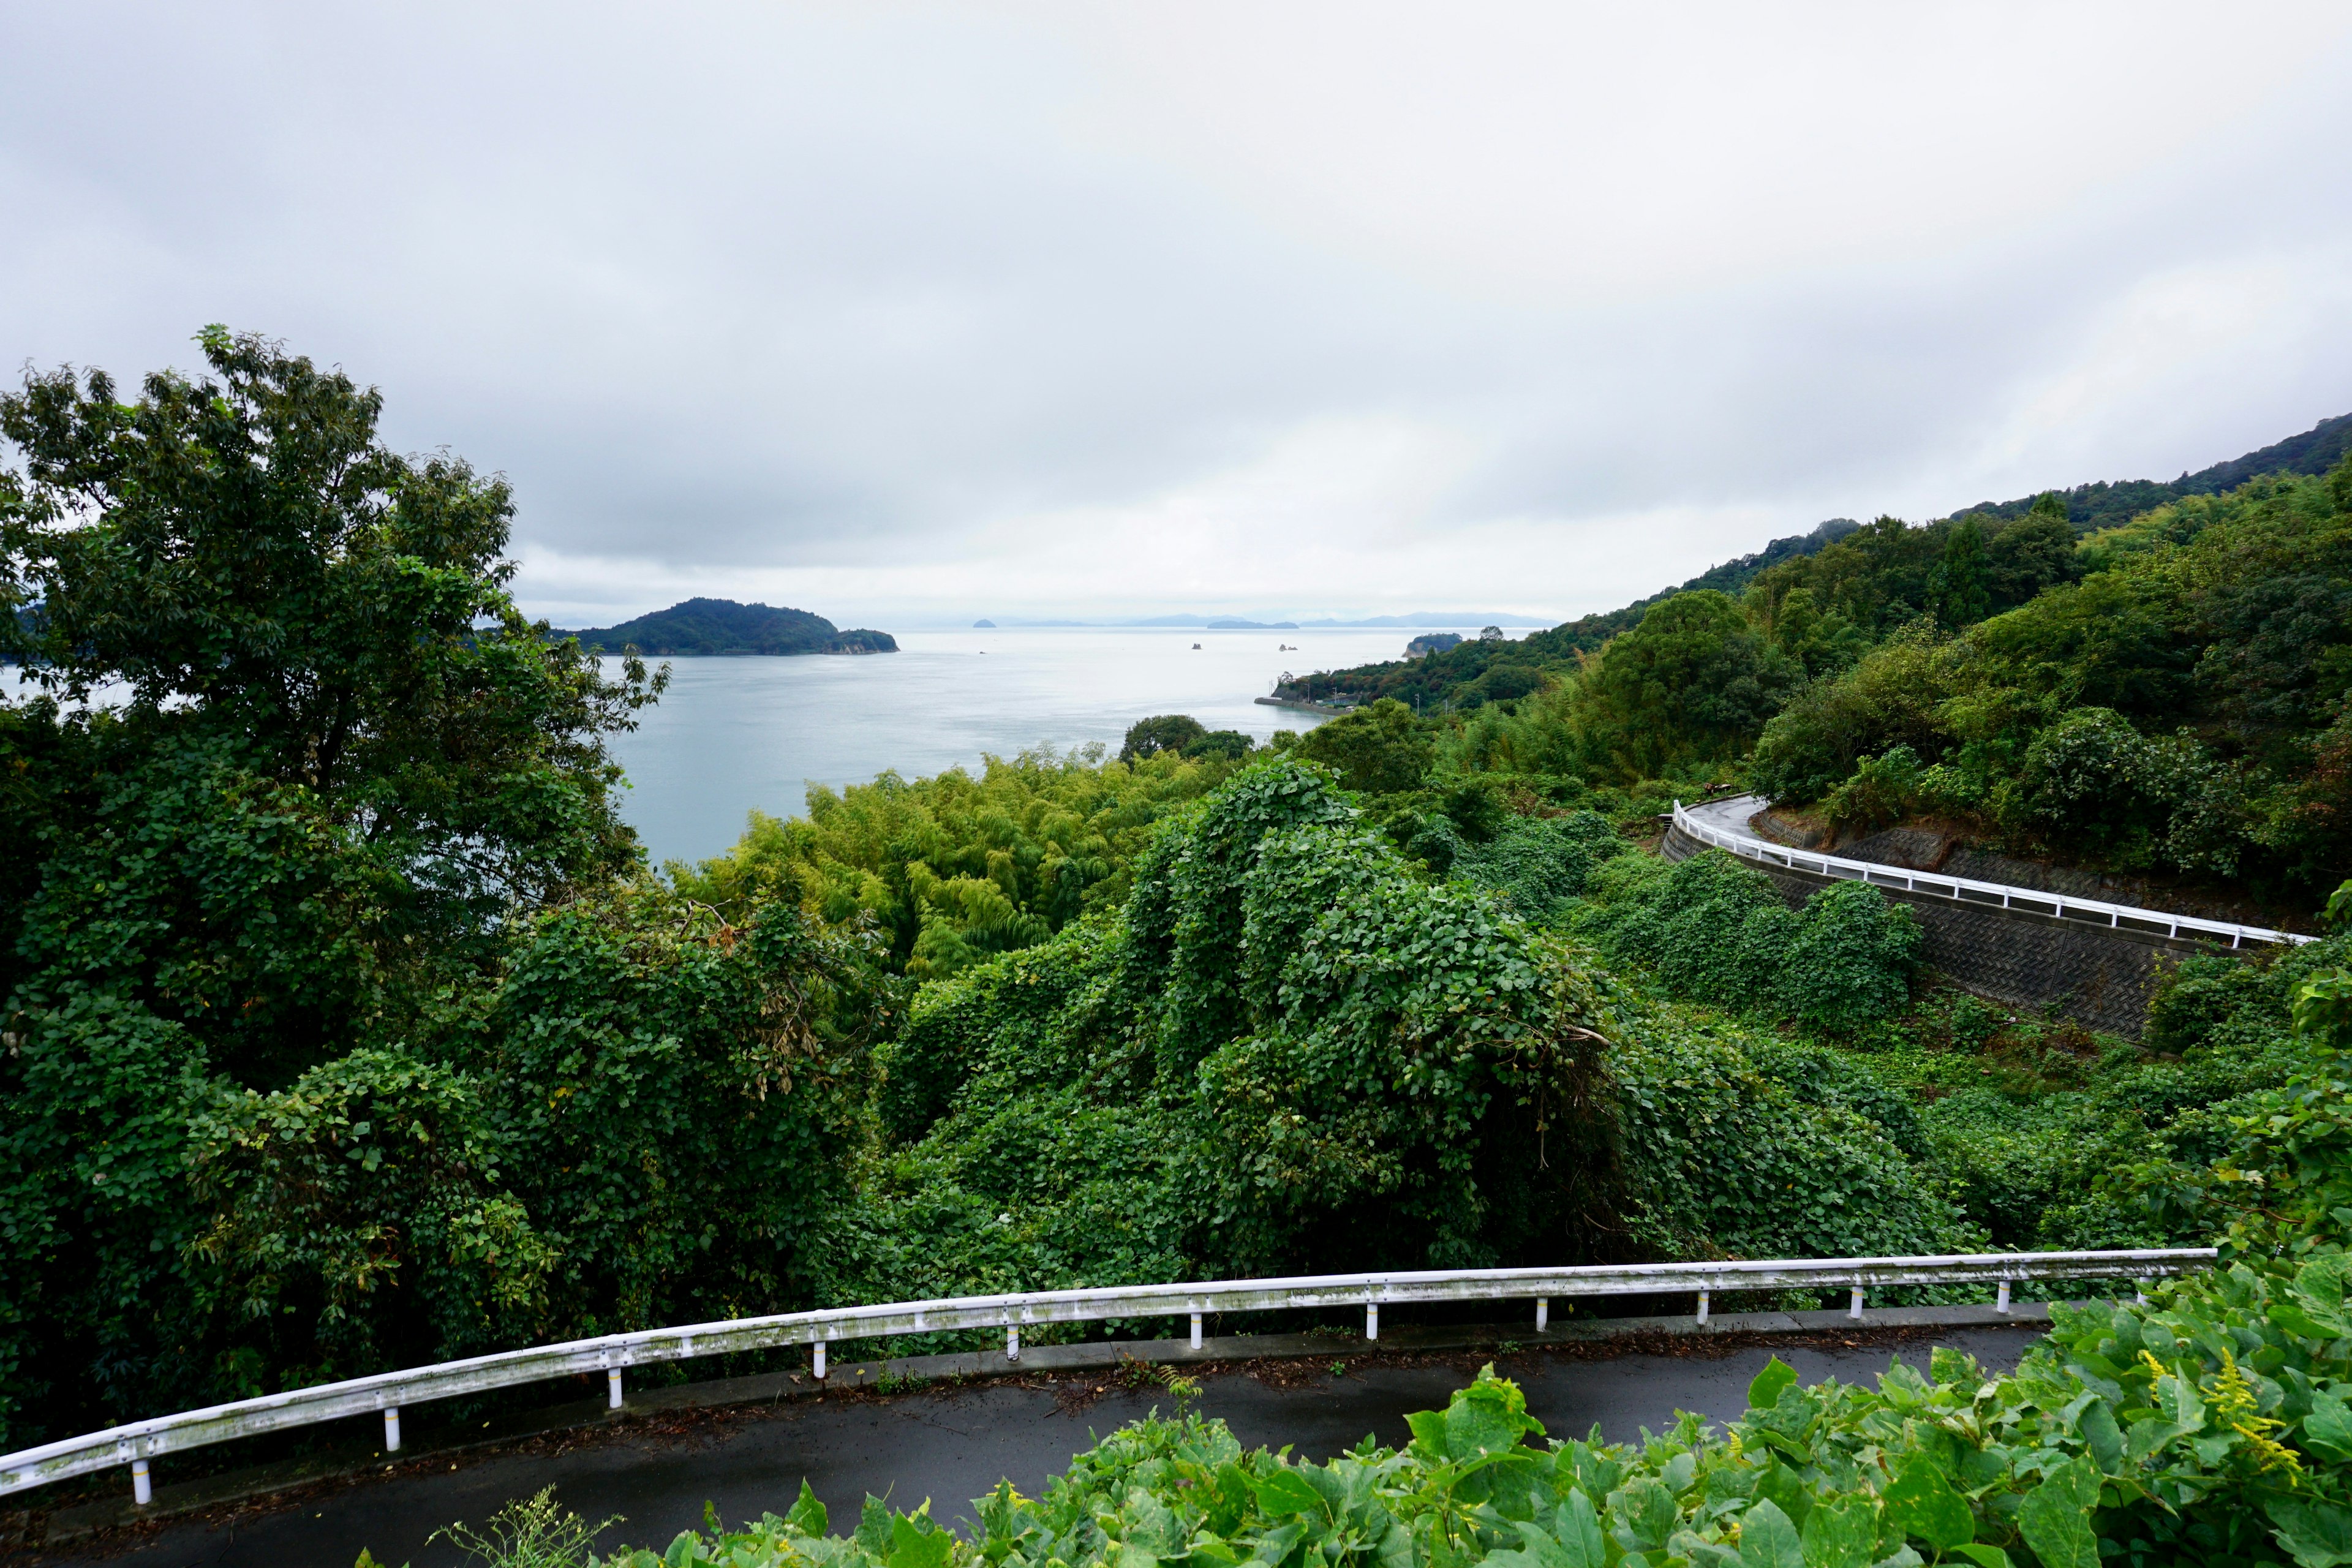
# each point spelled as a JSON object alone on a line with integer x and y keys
{"x": 948, "y": 1447}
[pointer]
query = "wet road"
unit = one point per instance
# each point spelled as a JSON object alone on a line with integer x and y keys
{"x": 951, "y": 1449}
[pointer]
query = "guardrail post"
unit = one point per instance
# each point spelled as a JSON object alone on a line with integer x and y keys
{"x": 613, "y": 1389}
{"x": 2000, "y": 1297}
{"x": 1854, "y": 1309}
{"x": 1371, "y": 1320}
{"x": 818, "y": 1362}
{"x": 1543, "y": 1314}
{"x": 1702, "y": 1309}
{"x": 1012, "y": 1342}
{"x": 143, "y": 1487}
{"x": 1196, "y": 1331}
{"x": 392, "y": 1428}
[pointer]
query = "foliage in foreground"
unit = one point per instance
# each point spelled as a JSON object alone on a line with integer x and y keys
{"x": 2210, "y": 1424}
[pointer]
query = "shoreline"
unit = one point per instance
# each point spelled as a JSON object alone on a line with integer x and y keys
{"x": 1302, "y": 704}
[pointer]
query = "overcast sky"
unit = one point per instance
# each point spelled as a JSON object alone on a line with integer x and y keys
{"x": 905, "y": 314}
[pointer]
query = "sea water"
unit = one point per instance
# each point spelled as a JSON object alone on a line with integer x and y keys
{"x": 735, "y": 735}
{"x": 732, "y": 735}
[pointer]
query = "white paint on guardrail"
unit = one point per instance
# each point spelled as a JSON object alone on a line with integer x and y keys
{"x": 1981, "y": 895}
{"x": 136, "y": 1442}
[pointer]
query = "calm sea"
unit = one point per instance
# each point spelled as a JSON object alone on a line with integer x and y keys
{"x": 732, "y": 734}
{"x": 735, "y": 734}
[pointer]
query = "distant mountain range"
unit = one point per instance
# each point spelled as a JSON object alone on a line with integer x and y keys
{"x": 724, "y": 626}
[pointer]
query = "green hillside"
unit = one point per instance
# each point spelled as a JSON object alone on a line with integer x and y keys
{"x": 724, "y": 626}
{"x": 2105, "y": 504}
{"x": 1474, "y": 674}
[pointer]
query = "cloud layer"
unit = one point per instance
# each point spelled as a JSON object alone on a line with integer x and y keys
{"x": 906, "y": 312}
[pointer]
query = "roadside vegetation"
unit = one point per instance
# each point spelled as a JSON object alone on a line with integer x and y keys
{"x": 343, "y": 1026}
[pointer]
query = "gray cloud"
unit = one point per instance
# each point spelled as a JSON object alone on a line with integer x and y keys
{"x": 887, "y": 308}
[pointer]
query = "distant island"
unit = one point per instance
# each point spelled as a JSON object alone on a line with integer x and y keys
{"x": 984, "y": 626}
{"x": 724, "y": 626}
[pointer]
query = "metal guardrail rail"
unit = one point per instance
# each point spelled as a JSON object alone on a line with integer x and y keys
{"x": 135, "y": 1443}
{"x": 1965, "y": 891}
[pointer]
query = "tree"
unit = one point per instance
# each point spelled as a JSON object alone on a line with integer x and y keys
{"x": 1961, "y": 594}
{"x": 1692, "y": 683}
{"x": 1161, "y": 733}
{"x": 1383, "y": 749}
{"x": 2030, "y": 554}
{"x": 339, "y": 763}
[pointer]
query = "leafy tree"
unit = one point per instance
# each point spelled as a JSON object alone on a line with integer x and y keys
{"x": 1165, "y": 732}
{"x": 2033, "y": 553}
{"x": 1379, "y": 750}
{"x": 1694, "y": 683}
{"x": 1961, "y": 587}
{"x": 1220, "y": 745}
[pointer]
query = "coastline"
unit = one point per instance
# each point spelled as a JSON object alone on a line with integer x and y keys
{"x": 1303, "y": 705}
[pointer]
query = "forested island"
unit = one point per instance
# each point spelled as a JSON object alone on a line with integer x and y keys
{"x": 724, "y": 626}
{"x": 346, "y": 1027}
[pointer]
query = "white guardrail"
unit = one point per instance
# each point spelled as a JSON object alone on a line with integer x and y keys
{"x": 1961, "y": 889}
{"x": 136, "y": 1442}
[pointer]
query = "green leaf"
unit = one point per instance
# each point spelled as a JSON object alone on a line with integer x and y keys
{"x": 1764, "y": 1390}
{"x": 873, "y": 1526}
{"x": 1921, "y": 1503}
{"x": 808, "y": 1515}
{"x": 1578, "y": 1528}
{"x": 2055, "y": 1517}
{"x": 1767, "y": 1539}
{"x": 1779, "y": 1483}
{"x": 2327, "y": 1430}
{"x": 1840, "y": 1534}
{"x": 1645, "y": 1515}
{"x": 1429, "y": 1431}
{"x": 1477, "y": 1428}
{"x": 913, "y": 1548}
{"x": 2106, "y": 1440}
{"x": 2315, "y": 1534}
{"x": 1987, "y": 1557}
{"x": 1286, "y": 1492}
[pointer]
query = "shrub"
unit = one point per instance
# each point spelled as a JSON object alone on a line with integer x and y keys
{"x": 1714, "y": 931}
{"x": 1883, "y": 791}
{"x": 1851, "y": 961}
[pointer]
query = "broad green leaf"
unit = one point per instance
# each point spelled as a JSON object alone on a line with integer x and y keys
{"x": 1475, "y": 1428}
{"x": 2055, "y": 1517}
{"x": 1984, "y": 1556}
{"x": 2315, "y": 1534}
{"x": 1579, "y": 1527}
{"x": 1646, "y": 1514}
{"x": 1429, "y": 1431}
{"x": 2106, "y": 1440}
{"x": 913, "y": 1548}
{"x": 2327, "y": 1430}
{"x": 1764, "y": 1390}
{"x": 1840, "y": 1534}
{"x": 1920, "y": 1502}
{"x": 1286, "y": 1492}
{"x": 1779, "y": 1483}
{"x": 808, "y": 1515}
{"x": 1767, "y": 1539}
{"x": 873, "y": 1526}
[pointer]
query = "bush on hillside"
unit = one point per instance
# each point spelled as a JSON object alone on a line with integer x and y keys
{"x": 1714, "y": 931}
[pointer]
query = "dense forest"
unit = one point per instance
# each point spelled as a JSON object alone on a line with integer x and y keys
{"x": 346, "y": 1027}
{"x": 724, "y": 626}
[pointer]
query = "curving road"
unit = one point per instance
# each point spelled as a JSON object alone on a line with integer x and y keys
{"x": 950, "y": 1448}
